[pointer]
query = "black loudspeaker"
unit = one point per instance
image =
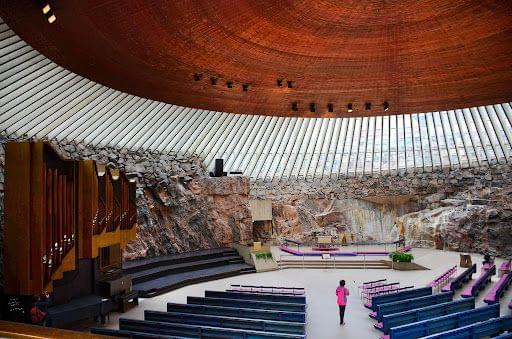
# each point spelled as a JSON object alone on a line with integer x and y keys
{"x": 219, "y": 168}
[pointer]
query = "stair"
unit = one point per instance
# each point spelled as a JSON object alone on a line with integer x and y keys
{"x": 338, "y": 264}
{"x": 154, "y": 276}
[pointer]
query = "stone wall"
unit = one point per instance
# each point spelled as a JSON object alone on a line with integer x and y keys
{"x": 459, "y": 209}
{"x": 180, "y": 208}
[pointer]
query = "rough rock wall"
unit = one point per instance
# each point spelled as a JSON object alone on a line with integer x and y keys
{"x": 357, "y": 219}
{"x": 179, "y": 207}
{"x": 190, "y": 215}
{"x": 432, "y": 206}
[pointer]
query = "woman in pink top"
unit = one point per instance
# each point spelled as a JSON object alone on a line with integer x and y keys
{"x": 342, "y": 293}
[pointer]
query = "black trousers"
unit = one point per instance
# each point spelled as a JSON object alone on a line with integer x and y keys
{"x": 342, "y": 313}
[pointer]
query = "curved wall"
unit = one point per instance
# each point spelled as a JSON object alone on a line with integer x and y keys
{"x": 40, "y": 99}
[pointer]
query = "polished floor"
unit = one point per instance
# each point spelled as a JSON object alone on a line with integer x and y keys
{"x": 322, "y": 316}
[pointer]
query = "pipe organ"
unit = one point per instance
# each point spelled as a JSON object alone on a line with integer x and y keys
{"x": 59, "y": 212}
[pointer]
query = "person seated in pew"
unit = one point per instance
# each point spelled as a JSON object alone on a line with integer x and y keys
{"x": 39, "y": 311}
{"x": 341, "y": 295}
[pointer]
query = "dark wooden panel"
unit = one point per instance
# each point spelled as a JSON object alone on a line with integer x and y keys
{"x": 17, "y": 215}
{"x": 417, "y": 55}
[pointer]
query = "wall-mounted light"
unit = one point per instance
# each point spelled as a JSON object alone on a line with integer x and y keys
{"x": 367, "y": 106}
{"x": 349, "y": 108}
{"x": 386, "y": 106}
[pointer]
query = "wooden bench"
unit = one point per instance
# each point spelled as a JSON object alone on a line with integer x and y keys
{"x": 444, "y": 323}
{"x": 494, "y": 295}
{"x": 226, "y": 322}
{"x": 444, "y": 278}
{"x": 238, "y": 312}
{"x": 197, "y": 331}
{"x": 256, "y": 296}
{"x": 504, "y": 268}
{"x": 424, "y": 313}
{"x": 407, "y": 294}
{"x": 409, "y": 304}
{"x": 484, "y": 329}
{"x": 474, "y": 288}
{"x": 460, "y": 279}
{"x": 265, "y": 305}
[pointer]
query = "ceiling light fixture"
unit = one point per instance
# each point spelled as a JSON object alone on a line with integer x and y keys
{"x": 386, "y": 106}
{"x": 52, "y": 18}
{"x": 46, "y": 9}
{"x": 349, "y": 108}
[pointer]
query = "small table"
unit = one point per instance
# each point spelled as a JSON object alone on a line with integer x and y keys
{"x": 465, "y": 260}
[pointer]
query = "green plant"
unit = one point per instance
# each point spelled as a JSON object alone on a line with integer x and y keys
{"x": 398, "y": 256}
{"x": 264, "y": 255}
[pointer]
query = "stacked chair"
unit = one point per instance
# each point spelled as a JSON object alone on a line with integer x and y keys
{"x": 241, "y": 311}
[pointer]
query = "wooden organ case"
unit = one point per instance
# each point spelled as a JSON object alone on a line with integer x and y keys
{"x": 63, "y": 216}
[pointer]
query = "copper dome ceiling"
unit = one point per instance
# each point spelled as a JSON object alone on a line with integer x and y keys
{"x": 416, "y": 55}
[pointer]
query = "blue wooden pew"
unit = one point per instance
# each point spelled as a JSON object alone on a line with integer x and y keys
{"x": 237, "y": 312}
{"x": 419, "y": 314}
{"x": 444, "y": 323}
{"x": 482, "y": 329}
{"x": 197, "y": 331}
{"x": 460, "y": 279}
{"x": 226, "y": 322}
{"x": 409, "y": 304}
{"x": 256, "y": 296}
{"x": 263, "y": 305}
{"x": 407, "y": 294}
{"x": 478, "y": 284}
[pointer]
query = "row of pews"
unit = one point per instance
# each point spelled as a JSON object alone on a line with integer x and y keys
{"x": 421, "y": 313}
{"x": 258, "y": 312}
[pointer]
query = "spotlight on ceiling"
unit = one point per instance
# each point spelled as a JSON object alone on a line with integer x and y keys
{"x": 349, "y": 108}
{"x": 330, "y": 107}
{"x": 197, "y": 76}
{"x": 46, "y": 9}
{"x": 213, "y": 81}
{"x": 229, "y": 84}
{"x": 386, "y": 106}
{"x": 295, "y": 106}
{"x": 279, "y": 82}
{"x": 289, "y": 83}
{"x": 312, "y": 107}
{"x": 245, "y": 87}
{"x": 52, "y": 18}
{"x": 367, "y": 106}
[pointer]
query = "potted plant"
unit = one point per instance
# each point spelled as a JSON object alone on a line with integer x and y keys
{"x": 264, "y": 255}
{"x": 402, "y": 261}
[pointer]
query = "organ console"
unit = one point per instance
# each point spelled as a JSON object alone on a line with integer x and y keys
{"x": 60, "y": 215}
